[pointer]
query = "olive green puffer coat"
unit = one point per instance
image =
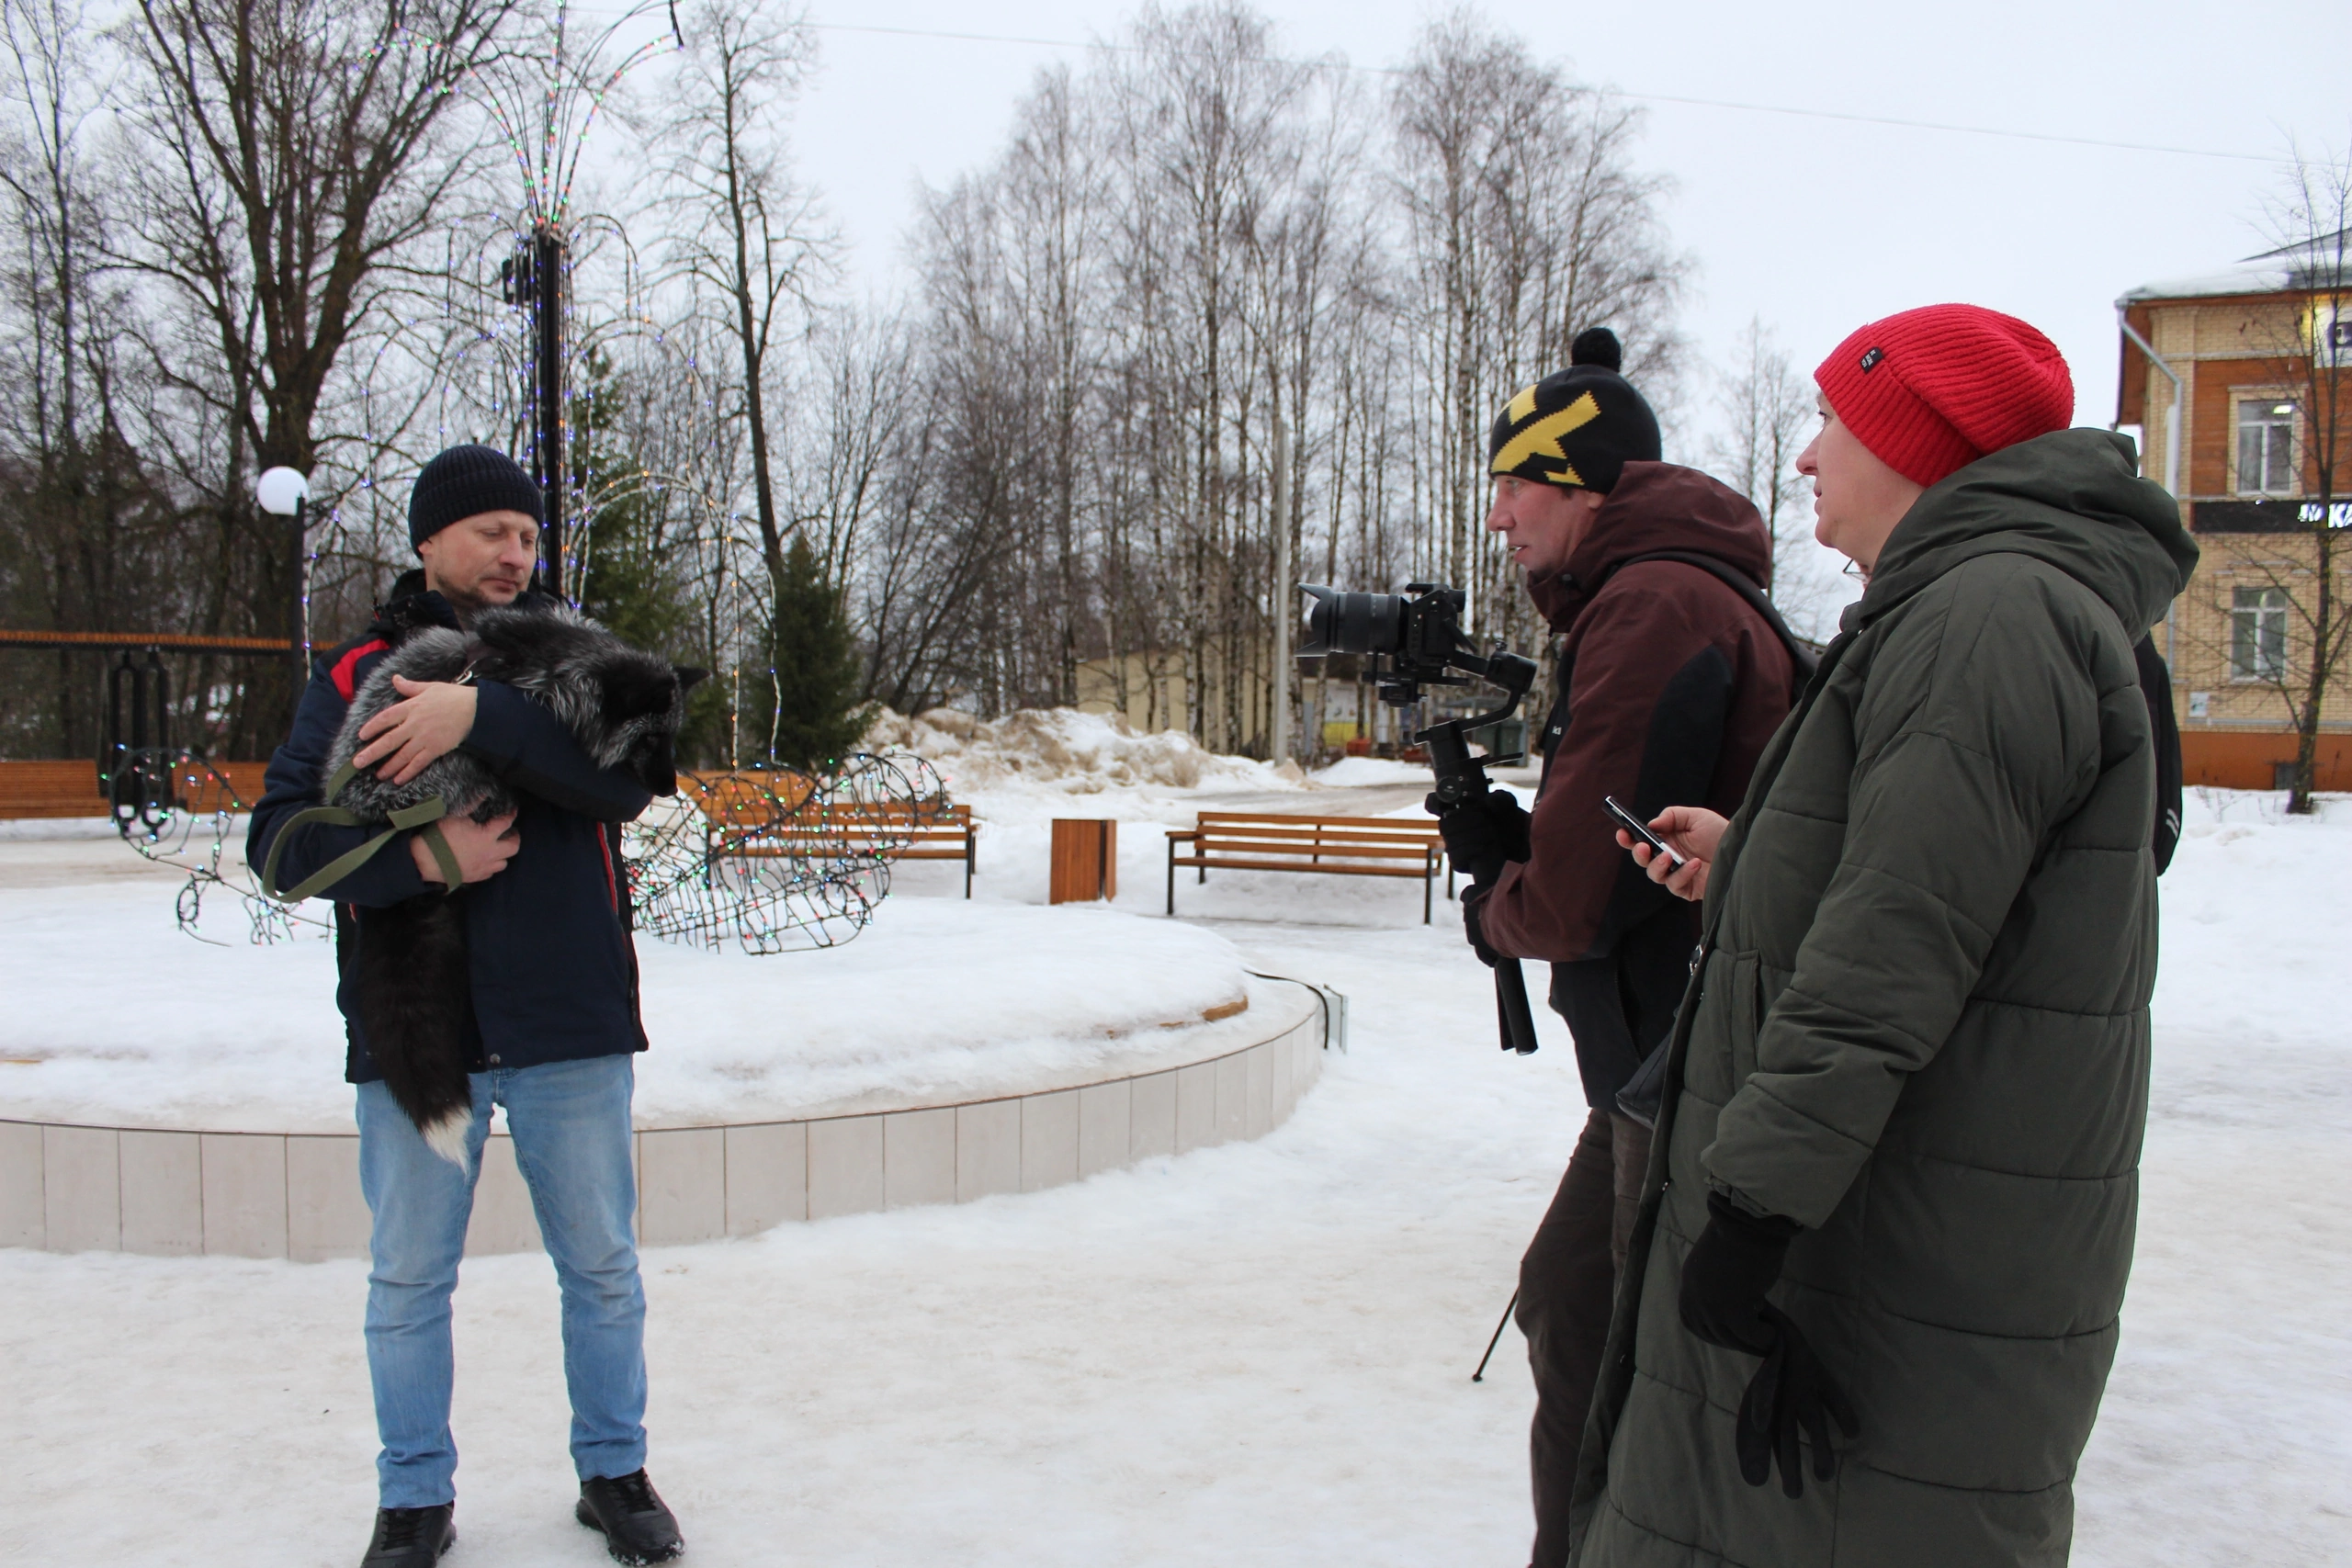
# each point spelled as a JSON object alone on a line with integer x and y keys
{"x": 1920, "y": 1029}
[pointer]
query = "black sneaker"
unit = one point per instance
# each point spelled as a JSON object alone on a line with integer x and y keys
{"x": 638, "y": 1528}
{"x": 411, "y": 1538}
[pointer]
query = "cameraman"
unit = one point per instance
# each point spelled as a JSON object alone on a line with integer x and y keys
{"x": 1672, "y": 676}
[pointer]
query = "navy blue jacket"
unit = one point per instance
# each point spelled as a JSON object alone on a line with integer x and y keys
{"x": 554, "y": 969}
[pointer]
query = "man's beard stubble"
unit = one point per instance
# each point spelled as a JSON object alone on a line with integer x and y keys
{"x": 469, "y": 604}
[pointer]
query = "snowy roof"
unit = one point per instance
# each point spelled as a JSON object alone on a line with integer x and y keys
{"x": 2297, "y": 266}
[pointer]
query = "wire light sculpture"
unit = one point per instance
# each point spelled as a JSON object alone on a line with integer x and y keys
{"x": 775, "y": 861}
{"x": 179, "y": 809}
{"x": 769, "y": 860}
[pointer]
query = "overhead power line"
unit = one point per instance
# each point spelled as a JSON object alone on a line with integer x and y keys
{"x": 1789, "y": 110}
{"x": 1958, "y": 129}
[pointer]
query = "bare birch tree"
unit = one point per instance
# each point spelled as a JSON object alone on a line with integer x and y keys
{"x": 1766, "y": 412}
{"x": 748, "y": 236}
{"x": 2312, "y": 354}
{"x": 1524, "y": 222}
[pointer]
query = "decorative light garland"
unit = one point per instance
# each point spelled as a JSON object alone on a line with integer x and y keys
{"x": 769, "y": 860}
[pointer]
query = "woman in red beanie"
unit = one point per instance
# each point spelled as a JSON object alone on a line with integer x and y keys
{"x": 1883, "y": 1252}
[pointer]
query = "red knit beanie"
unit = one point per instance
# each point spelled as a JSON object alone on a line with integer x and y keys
{"x": 1929, "y": 391}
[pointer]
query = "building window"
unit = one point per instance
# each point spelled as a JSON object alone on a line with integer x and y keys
{"x": 2257, "y": 633}
{"x": 2267, "y": 447}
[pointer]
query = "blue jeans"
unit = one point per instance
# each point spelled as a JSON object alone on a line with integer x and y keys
{"x": 570, "y": 1126}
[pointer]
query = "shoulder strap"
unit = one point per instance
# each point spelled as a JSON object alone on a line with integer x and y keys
{"x": 426, "y": 813}
{"x": 1802, "y": 654}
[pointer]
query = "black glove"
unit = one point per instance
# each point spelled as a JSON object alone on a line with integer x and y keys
{"x": 1470, "y": 927}
{"x": 1734, "y": 1263}
{"x": 1791, "y": 1394}
{"x": 1483, "y": 835}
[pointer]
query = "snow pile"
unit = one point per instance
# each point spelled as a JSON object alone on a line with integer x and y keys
{"x": 1354, "y": 773}
{"x": 1061, "y": 749}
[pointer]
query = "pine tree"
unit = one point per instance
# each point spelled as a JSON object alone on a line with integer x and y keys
{"x": 623, "y": 581}
{"x": 813, "y": 685}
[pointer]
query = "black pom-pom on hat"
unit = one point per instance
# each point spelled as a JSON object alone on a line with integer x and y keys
{"x": 1598, "y": 345}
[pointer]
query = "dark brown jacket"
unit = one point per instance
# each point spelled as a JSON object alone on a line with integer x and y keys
{"x": 1670, "y": 684}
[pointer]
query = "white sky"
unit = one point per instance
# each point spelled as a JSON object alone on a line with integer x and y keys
{"x": 1814, "y": 225}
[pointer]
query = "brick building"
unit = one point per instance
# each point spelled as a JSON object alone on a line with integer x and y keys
{"x": 2218, "y": 373}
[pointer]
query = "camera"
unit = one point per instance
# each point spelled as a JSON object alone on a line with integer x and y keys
{"x": 1416, "y": 635}
{"x": 1416, "y": 640}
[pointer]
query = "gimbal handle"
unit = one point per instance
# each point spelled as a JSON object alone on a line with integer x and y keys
{"x": 1461, "y": 779}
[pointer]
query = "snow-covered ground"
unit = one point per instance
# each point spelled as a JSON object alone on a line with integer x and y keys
{"x": 1256, "y": 1354}
{"x": 119, "y": 1019}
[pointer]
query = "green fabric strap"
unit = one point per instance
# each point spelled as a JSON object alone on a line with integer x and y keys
{"x": 426, "y": 813}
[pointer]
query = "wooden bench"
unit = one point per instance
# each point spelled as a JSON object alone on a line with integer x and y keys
{"x": 71, "y": 789}
{"x": 894, "y": 832}
{"x": 1334, "y": 846}
{"x": 50, "y": 789}
{"x": 742, "y": 813}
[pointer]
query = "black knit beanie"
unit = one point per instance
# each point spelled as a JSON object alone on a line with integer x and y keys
{"x": 466, "y": 482}
{"x": 1578, "y": 427}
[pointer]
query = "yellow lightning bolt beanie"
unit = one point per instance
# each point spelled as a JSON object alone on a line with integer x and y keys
{"x": 1578, "y": 427}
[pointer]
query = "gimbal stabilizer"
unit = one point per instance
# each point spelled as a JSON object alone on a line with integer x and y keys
{"x": 1418, "y": 635}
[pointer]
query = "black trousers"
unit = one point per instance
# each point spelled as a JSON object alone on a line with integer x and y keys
{"x": 1567, "y": 1283}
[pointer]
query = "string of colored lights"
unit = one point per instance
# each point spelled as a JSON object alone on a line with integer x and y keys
{"x": 768, "y": 859}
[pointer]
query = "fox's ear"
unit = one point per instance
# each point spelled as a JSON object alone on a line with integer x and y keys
{"x": 689, "y": 677}
{"x": 632, "y": 690}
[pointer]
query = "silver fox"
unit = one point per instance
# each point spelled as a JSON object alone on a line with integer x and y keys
{"x": 624, "y": 708}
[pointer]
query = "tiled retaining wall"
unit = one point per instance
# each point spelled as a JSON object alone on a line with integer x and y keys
{"x": 68, "y": 1189}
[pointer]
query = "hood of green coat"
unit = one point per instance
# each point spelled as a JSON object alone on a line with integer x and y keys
{"x": 2073, "y": 498}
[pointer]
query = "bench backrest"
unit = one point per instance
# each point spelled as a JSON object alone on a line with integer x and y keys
{"x": 763, "y": 812}
{"x": 893, "y": 821}
{"x": 779, "y": 797}
{"x": 72, "y": 788}
{"x": 48, "y": 779}
{"x": 1265, "y": 833}
{"x": 1376, "y": 830}
{"x": 739, "y": 797}
{"x": 51, "y": 790}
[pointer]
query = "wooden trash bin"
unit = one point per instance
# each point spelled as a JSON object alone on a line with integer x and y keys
{"x": 1086, "y": 861}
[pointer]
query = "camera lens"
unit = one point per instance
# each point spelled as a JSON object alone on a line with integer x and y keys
{"x": 1352, "y": 623}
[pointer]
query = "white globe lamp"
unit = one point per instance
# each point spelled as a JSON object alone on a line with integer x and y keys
{"x": 281, "y": 491}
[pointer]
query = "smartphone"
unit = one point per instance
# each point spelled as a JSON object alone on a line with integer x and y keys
{"x": 1639, "y": 828}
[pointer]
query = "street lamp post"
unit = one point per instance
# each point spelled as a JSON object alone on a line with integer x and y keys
{"x": 285, "y": 492}
{"x": 533, "y": 279}
{"x": 1278, "y": 728}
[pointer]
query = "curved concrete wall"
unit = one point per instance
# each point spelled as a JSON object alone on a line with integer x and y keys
{"x": 74, "y": 1189}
